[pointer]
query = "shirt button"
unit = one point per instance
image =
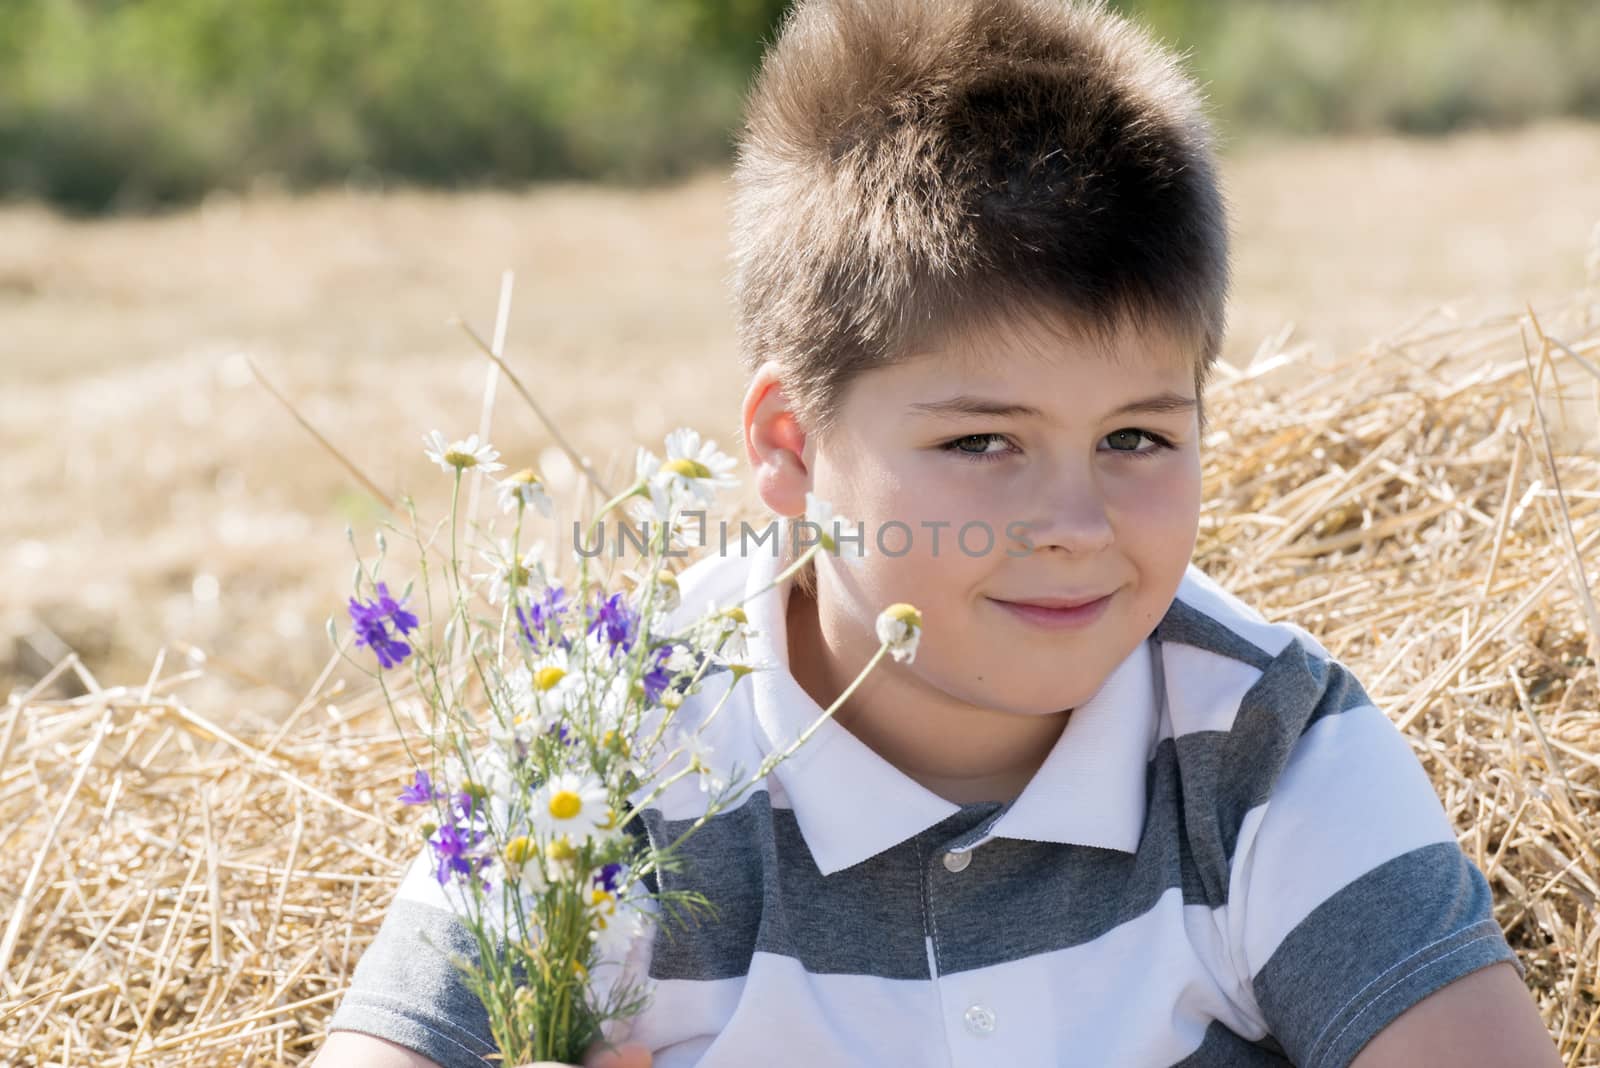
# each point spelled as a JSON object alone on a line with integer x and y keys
{"x": 980, "y": 1021}
{"x": 955, "y": 861}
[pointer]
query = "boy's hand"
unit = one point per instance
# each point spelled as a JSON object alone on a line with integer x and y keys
{"x": 627, "y": 1055}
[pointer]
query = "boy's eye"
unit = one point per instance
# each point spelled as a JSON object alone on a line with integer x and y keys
{"x": 1128, "y": 436}
{"x": 1131, "y": 435}
{"x": 979, "y": 453}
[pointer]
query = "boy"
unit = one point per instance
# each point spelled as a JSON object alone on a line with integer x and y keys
{"x": 1108, "y": 815}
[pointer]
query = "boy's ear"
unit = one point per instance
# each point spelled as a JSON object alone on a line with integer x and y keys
{"x": 775, "y": 444}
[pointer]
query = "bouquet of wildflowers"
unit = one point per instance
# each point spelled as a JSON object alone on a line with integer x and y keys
{"x": 547, "y": 709}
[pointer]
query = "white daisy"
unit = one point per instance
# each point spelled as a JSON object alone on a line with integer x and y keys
{"x": 518, "y": 720}
{"x": 699, "y": 752}
{"x": 459, "y": 455}
{"x": 617, "y": 924}
{"x": 667, "y": 597}
{"x": 726, "y": 632}
{"x": 833, "y": 526}
{"x": 693, "y": 470}
{"x": 900, "y": 626}
{"x": 527, "y": 489}
{"x": 555, "y": 684}
{"x": 572, "y": 805}
{"x": 558, "y": 856}
{"x": 510, "y": 573}
{"x": 498, "y": 776}
{"x": 686, "y": 529}
{"x": 519, "y": 861}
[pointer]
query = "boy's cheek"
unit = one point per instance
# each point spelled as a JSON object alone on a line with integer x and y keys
{"x": 1171, "y": 500}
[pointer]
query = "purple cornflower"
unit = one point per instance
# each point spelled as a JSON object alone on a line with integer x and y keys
{"x": 656, "y": 679}
{"x": 608, "y": 877}
{"x": 371, "y": 619}
{"x": 616, "y": 621}
{"x": 420, "y": 792}
{"x": 543, "y": 614}
{"x": 464, "y": 805}
{"x": 454, "y": 847}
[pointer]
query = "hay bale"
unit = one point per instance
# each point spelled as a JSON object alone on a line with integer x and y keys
{"x": 175, "y": 893}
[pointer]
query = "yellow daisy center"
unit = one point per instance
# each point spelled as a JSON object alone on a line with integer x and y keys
{"x": 560, "y": 849}
{"x": 906, "y": 614}
{"x": 547, "y": 677}
{"x": 564, "y": 804}
{"x": 526, "y": 477}
{"x": 458, "y": 459}
{"x": 519, "y": 849}
{"x": 686, "y": 467}
{"x": 736, "y": 614}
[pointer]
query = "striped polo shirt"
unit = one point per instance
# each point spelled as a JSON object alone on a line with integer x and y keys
{"x": 1230, "y": 857}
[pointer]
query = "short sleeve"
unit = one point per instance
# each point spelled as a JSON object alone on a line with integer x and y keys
{"x": 1350, "y": 899}
{"x": 405, "y": 987}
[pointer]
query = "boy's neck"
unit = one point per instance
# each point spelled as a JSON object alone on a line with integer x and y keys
{"x": 962, "y": 753}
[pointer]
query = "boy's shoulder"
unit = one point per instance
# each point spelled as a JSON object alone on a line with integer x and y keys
{"x": 1252, "y": 710}
{"x": 1204, "y": 607}
{"x": 1228, "y": 668}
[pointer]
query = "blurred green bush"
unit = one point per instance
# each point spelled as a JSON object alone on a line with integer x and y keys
{"x": 134, "y": 104}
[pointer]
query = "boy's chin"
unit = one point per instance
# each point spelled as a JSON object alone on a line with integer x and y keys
{"x": 998, "y": 690}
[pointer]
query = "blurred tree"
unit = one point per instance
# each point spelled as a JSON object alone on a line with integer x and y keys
{"x": 108, "y": 104}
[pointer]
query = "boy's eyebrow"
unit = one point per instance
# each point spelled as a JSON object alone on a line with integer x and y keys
{"x": 1165, "y": 403}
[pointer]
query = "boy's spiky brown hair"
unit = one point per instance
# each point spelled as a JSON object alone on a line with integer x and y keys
{"x": 909, "y": 167}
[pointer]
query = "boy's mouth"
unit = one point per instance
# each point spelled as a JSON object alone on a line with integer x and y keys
{"x": 1072, "y": 614}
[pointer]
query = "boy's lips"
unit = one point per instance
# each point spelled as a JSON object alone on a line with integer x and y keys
{"x": 1056, "y": 602}
{"x": 1080, "y": 614}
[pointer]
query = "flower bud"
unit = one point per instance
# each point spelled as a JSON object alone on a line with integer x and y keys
{"x": 899, "y": 626}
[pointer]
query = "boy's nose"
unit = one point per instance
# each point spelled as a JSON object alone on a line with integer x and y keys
{"x": 1073, "y": 519}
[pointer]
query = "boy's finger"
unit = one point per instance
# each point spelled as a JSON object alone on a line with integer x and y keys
{"x": 627, "y": 1055}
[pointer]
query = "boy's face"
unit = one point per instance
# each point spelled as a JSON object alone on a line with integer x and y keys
{"x": 1107, "y": 507}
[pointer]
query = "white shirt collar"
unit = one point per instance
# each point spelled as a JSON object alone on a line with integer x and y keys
{"x": 851, "y": 804}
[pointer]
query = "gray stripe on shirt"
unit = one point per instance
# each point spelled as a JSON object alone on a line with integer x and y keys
{"x": 752, "y": 863}
{"x": 1221, "y": 1048}
{"x": 1183, "y": 624}
{"x": 1332, "y": 983}
{"x": 1228, "y": 773}
{"x": 405, "y": 989}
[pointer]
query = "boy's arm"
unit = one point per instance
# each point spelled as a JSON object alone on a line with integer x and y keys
{"x": 407, "y": 995}
{"x": 1485, "y": 1019}
{"x": 351, "y": 1049}
{"x": 1352, "y": 911}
